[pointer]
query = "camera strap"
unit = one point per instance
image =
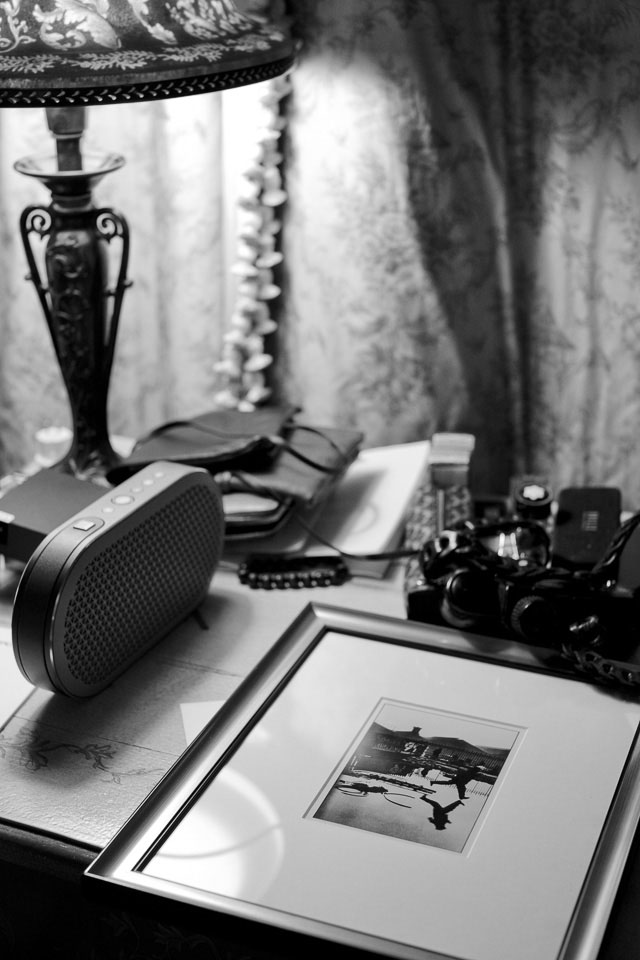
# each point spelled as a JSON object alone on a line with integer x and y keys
{"x": 587, "y": 642}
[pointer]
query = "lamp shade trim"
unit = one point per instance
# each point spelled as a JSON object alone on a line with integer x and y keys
{"x": 58, "y": 47}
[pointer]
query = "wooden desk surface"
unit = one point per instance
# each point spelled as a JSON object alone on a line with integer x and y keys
{"x": 71, "y": 772}
{"x": 77, "y": 769}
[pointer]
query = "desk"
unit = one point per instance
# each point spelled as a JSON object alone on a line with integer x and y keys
{"x": 71, "y": 773}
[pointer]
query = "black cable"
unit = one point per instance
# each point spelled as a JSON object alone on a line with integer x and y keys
{"x": 275, "y": 439}
{"x": 383, "y": 555}
{"x": 253, "y": 486}
{"x": 332, "y": 471}
{"x": 318, "y": 432}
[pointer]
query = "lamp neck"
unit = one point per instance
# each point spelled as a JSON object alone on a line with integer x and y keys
{"x": 67, "y": 124}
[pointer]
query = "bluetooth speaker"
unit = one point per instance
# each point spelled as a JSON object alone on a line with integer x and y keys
{"x": 107, "y": 584}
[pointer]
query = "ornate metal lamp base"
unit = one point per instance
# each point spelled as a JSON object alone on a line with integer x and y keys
{"x": 76, "y": 293}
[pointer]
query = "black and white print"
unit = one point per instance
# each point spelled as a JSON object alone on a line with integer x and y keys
{"x": 419, "y": 775}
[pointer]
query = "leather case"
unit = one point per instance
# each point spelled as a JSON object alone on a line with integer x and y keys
{"x": 267, "y": 453}
{"x": 217, "y": 440}
{"x": 307, "y": 469}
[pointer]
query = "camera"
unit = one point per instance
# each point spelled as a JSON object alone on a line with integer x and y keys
{"x": 500, "y": 579}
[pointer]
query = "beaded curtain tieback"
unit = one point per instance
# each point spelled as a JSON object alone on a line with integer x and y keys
{"x": 244, "y": 360}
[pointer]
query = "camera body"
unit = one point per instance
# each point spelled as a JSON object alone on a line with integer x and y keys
{"x": 500, "y": 579}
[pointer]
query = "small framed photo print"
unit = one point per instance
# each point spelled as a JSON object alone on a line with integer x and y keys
{"x": 406, "y": 754}
{"x": 378, "y": 784}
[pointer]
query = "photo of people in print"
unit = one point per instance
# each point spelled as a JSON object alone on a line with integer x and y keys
{"x": 420, "y": 775}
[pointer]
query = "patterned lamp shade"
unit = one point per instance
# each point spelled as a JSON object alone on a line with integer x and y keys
{"x": 86, "y": 52}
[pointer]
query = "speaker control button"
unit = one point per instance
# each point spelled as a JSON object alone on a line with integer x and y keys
{"x": 122, "y": 499}
{"x": 86, "y": 524}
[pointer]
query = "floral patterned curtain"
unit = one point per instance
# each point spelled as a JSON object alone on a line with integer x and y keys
{"x": 462, "y": 238}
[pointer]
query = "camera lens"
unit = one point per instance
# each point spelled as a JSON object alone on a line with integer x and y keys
{"x": 534, "y": 619}
{"x": 468, "y": 596}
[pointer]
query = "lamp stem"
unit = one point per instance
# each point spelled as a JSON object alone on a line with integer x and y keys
{"x": 75, "y": 294}
{"x": 67, "y": 125}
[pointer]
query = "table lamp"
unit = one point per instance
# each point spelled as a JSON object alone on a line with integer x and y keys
{"x": 65, "y": 56}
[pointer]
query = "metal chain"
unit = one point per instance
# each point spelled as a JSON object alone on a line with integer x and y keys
{"x": 598, "y": 667}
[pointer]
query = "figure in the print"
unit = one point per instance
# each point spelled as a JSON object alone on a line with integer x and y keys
{"x": 460, "y": 780}
{"x": 358, "y": 787}
{"x": 440, "y": 817}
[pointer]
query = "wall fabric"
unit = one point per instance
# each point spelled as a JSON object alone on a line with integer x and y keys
{"x": 462, "y": 238}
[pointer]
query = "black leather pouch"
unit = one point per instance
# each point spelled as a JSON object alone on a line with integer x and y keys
{"x": 308, "y": 464}
{"x": 217, "y": 440}
{"x": 267, "y": 461}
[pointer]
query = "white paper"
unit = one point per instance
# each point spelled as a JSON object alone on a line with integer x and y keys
{"x": 195, "y": 716}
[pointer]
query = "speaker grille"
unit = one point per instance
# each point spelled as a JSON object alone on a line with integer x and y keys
{"x": 129, "y": 595}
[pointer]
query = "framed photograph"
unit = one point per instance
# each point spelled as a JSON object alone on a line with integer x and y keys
{"x": 390, "y": 786}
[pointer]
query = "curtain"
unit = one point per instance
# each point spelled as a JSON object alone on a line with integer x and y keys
{"x": 462, "y": 236}
{"x": 176, "y": 190}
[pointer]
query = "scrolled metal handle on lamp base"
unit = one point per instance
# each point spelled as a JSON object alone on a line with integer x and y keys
{"x": 81, "y": 310}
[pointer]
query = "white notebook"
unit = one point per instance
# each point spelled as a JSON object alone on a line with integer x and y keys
{"x": 364, "y": 514}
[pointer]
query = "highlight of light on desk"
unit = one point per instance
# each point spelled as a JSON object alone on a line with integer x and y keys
{"x": 230, "y": 843}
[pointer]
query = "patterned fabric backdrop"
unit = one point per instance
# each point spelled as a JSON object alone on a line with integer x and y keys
{"x": 462, "y": 237}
